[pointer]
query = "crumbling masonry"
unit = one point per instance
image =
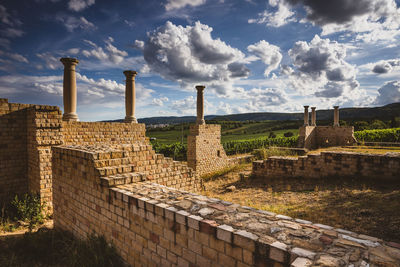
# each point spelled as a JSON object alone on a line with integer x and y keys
{"x": 106, "y": 178}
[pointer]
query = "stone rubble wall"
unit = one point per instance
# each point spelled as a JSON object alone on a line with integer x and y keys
{"x": 330, "y": 164}
{"x": 205, "y": 153}
{"x": 312, "y": 137}
{"x": 154, "y": 225}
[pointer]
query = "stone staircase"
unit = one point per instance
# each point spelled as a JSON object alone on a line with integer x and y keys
{"x": 126, "y": 164}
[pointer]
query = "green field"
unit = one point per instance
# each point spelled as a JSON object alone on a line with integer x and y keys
{"x": 231, "y": 131}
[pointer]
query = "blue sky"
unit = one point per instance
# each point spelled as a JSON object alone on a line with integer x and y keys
{"x": 253, "y": 56}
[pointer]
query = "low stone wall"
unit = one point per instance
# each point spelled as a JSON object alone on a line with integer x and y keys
{"x": 312, "y": 137}
{"x": 330, "y": 164}
{"x": 153, "y": 225}
{"x": 205, "y": 154}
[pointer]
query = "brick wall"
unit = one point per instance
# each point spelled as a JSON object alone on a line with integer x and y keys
{"x": 312, "y": 137}
{"x": 153, "y": 225}
{"x": 330, "y": 164}
{"x": 205, "y": 153}
{"x": 13, "y": 149}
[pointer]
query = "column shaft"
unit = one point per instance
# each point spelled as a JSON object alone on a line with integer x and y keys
{"x": 336, "y": 116}
{"x": 313, "y": 117}
{"x": 69, "y": 89}
{"x": 306, "y": 117}
{"x": 200, "y": 104}
{"x": 130, "y": 96}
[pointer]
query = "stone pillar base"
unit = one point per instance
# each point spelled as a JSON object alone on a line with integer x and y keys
{"x": 70, "y": 117}
{"x": 129, "y": 119}
{"x": 200, "y": 122}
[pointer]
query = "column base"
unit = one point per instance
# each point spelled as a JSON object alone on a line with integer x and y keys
{"x": 336, "y": 125}
{"x": 130, "y": 119}
{"x": 200, "y": 122}
{"x": 70, "y": 117}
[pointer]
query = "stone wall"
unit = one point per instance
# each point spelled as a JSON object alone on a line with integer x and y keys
{"x": 205, "y": 153}
{"x": 330, "y": 164}
{"x": 13, "y": 149}
{"x": 312, "y": 137}
{"x": 153, "y": 225}
{"x": 28, "y": 132}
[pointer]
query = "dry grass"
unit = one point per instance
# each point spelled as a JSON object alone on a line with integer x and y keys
{"x": 359, "y": 149}
{"x": 363, "y": 206}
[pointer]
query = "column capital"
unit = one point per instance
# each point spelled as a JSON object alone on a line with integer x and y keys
{"x": 306, "y": 106}
{"x": 200, "y": 87}
{"x": 69, "y": 61}
{"x": 313, "y": 108}
{"x": 335, "y": 107}
{"x": 130, "y": 74}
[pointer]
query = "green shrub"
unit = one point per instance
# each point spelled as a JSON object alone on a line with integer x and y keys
{"x": 384, "y": 135}
{"x": 28, "y": 209}
{"x": 177, "y": 151}
{"x": 288, "y": 134}
{"x": 238, "y": 147}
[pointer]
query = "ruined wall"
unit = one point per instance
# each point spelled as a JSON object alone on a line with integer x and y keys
{"x": 13, "y": 149}
{"x": 205, "y": 153}
{"x": 153, "y": 225}
{"x": 43, "y": 132}
{"x": 89, "y": 133}
{"x": 312, "y": 137}
{"x": 330, "y": 164}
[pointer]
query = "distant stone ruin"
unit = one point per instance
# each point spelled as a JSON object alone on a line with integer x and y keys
{"x": 313, "y": 136}
{"x": 105, "y": 178}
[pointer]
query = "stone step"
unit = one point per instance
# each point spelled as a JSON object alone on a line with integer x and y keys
{"x": 112, "y": 162}
{"x": 122, "y": 178}
{"x": 113, "y": 170}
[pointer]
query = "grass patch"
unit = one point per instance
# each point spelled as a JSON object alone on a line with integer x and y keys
{"x": 57, "y": 248}
{"x": 218, "y": 174}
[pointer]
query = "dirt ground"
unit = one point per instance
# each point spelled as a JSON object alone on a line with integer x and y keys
{"x": 364, "y": 206}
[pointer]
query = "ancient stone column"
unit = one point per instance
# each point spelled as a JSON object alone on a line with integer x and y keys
{"x": 200, "y": 104}
{"x": 306, "y": 118}
{"x": 130, "y": 96}
{"x": 69, "y": 89}
{"x": 313, "y": 117}
{"x": 336, "y": 116}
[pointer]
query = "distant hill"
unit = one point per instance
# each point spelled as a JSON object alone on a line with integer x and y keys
{"x": 384, "y": 112}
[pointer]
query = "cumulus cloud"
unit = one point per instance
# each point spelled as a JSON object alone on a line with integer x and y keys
{"x": 73, "y": 23}
{"x": 269, "y": 54}
{"x": 320, "y": 68}
{"x": 79, "y": 5}
{"x": 388, "y": 93}
{"x": 159, "y": 101}
{"x": 109, "y": 53}
{"x": 262, "y": 99}
{"x": 50, "y": 61}
{"x": 370, "y": 20}
{"x": 177, "y": 4}
{"x": 279, "y": 17}
{"x": 190, "y": 55}
{"x": 386, "y": 66}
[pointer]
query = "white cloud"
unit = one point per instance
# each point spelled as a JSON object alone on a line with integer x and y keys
{"x": 109, "y": 53}
{"x": 388, "y": 93}
{"x": 79, "y": 5}
{"x": 189, "y": 55}
{"x": 269, "y": 54}
{"x": 321, "y": 69}
{"x": 281, "y": 16}
{"x": 73, "y": 23}
{"x": 50, "y": 88}
{"x": 51, "y": 62}
{"x": 177, "y": 4}
{"x": 185, "y": 106}
{"x": 159, "y": 101}
{"x": 386, "y": 66}
{"x": 14, "y": 56}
